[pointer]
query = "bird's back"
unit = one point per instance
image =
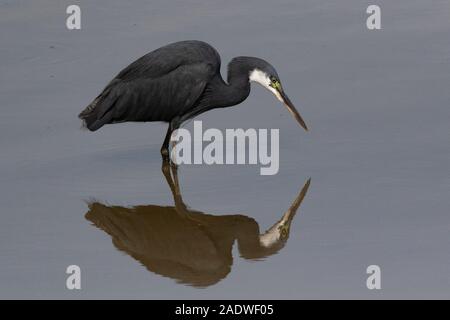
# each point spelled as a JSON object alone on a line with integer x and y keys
{"x": 167, "y": 58}
{"x": 156, "y": 87}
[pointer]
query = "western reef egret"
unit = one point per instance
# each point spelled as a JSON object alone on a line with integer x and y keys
{"x": 178, "y": 82}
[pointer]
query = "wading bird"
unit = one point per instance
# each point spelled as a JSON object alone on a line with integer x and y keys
{"x": 178, "y": 82}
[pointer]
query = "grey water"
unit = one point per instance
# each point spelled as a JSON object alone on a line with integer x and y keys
{"x": 377, "y": 103}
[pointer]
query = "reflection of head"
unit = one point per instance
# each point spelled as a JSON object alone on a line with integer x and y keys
{"x": 191, "y": 247}
{"x": 266, "y": 244}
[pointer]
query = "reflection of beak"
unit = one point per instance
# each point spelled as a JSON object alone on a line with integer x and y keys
{"x": 280, "y": 230}
{"x": 287, "y": 102}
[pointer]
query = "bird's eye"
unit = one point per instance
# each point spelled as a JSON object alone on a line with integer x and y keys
{"x": 274, "y": 80}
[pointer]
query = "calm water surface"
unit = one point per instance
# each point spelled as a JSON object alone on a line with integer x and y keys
{"x": 377, "y": 103}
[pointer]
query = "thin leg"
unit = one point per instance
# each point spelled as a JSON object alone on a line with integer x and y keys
{"x": 165, "y": 146}
{"x": 174, "y": 125}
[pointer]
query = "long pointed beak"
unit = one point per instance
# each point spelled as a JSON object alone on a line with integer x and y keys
{"x": 287, "y": 102}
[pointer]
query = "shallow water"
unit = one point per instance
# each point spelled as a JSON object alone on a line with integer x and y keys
{"x": 377, "y": 103}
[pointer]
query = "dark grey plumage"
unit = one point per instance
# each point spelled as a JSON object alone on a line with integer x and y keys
{"x": 157, "y": 87}
{"x": 172, "y": 84}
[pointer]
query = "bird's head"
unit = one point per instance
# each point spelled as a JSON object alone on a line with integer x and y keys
{"x": 265, "y": 74}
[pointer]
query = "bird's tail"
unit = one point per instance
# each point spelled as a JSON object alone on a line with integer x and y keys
{"x": 89, "y": 116}
{"x": 99, "y": 111}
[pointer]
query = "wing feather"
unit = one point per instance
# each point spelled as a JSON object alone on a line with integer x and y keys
{"x": 149, "y": 98}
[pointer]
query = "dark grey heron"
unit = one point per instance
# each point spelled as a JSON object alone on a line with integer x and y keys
{"x": 178, "y": 82}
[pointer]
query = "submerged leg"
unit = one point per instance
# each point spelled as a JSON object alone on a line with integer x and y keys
{"x": 170, "y": 172}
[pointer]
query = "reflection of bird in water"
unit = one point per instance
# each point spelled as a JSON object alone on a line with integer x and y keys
{"x": 190, "y": 246}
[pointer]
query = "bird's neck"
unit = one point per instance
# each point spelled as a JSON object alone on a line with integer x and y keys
{"x": 237, "y": 87}
{"x": 235, "y": 91}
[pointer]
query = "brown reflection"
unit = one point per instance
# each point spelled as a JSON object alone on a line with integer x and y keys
{"x": 189, "y": 246}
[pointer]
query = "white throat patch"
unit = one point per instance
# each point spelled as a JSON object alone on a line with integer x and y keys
{"x": 263, "y": 79}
